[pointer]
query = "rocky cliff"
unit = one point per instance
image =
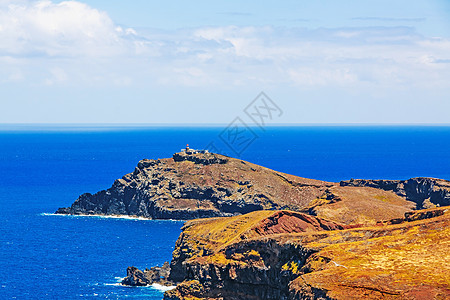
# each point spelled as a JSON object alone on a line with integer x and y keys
{"x": 289, "y": 255}
{"x": 425, "y": 192}
{"x": 200, "y": 185}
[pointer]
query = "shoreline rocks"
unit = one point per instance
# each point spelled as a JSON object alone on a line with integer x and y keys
{"x": 159, "y": 275}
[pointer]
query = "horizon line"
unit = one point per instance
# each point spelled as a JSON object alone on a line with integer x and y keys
{"x": 225, "y": 124}
{"x": 73, "y": 127}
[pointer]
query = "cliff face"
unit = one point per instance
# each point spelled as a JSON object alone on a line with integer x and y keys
{"x": 231, "y": 257}
{"x": 288, "y": 255}
{"x": 201, "y": 185}
{"x": 425, "y": 192}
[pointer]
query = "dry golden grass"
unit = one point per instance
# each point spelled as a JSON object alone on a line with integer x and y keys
{"x": 409, "y": 261}
{"x": 276, "y": 190}
{"x": 361, "y": 205}
{"x": 219, "y": 232}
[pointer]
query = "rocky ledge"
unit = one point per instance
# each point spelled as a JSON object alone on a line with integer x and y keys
{"x": 198, "y": 184}
{"x": 290, "y": 255}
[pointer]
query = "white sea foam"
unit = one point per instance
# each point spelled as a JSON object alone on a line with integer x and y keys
{"x": 155, "y": 286}
{"x": 99, "y": 216}
{"x": 117, "y": 283}
{"x": 114, "y": 284}
{"x": 123, "y": 217}
{"x": 162, "y": 288}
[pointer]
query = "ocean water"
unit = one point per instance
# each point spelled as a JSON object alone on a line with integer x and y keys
{"x": 43, "y": 256}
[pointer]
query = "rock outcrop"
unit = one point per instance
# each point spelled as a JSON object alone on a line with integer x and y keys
{"x": 425, "y": 192}
{"x": 136, "y": 277}
{"x": 289, "y": 255}
{"x": 196, "y": 184}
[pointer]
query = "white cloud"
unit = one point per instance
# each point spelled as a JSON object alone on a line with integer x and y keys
{"x": 69, "y": 28}
{"x": 72, "y": 43}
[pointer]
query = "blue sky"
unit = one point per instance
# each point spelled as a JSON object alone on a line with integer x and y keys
{"x": 139, "y": 61}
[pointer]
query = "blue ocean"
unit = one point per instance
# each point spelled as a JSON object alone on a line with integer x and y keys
{"x": 42, "y": 168}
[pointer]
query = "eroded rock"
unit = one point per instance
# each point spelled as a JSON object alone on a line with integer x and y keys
{"x": 136, "y": 277}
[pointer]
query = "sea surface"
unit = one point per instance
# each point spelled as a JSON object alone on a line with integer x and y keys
{"x": 43, "y": 256}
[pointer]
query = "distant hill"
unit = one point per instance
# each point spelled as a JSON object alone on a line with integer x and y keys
{"x": 197, "y": 184}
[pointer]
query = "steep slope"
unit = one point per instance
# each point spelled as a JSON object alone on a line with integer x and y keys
{"x": 196, "y": 184}
{"x": 288, "y": 255}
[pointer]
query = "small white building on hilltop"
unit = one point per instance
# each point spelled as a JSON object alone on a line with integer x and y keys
{"x": 190, "y": 151}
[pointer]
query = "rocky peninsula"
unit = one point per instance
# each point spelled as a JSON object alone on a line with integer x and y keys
{"x": 198, "y": 184}
{"x": 263, "y": 234}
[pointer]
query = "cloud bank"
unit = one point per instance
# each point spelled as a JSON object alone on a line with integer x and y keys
{"x": 71, "y": 43}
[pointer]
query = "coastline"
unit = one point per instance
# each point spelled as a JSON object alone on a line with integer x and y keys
{"x": 67, "y": 234}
